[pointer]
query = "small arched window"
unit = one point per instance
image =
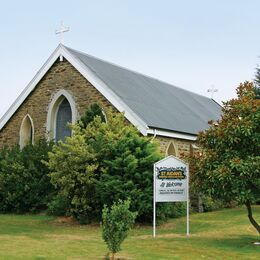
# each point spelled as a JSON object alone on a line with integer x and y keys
{"x": 26, "y": 131}
{"x": 171, "y": 150}
{"x": 64, "y": 116}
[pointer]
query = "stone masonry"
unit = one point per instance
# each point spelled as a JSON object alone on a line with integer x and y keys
{"x": 182, "y": 146}
{"x": 62, "y": 75}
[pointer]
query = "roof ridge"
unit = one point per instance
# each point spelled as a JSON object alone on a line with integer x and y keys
{"x": 183, "y": 107}
{"x": 136, "y": 72}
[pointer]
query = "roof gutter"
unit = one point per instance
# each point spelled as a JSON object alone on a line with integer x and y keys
{"x": 165, "y": 133}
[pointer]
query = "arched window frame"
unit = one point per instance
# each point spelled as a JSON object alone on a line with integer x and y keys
{"x": 23, "y": 142}
{"x": 53, "y": 110}
{"x": 175, "y": 149}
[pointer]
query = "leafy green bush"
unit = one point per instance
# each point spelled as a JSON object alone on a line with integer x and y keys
{"x": 178, "y": 209}
{"x": 73, "y": 165}
{"x": 166, "y": 210}
{"x": 58, "y": 206}
{"x": 24, "y": 181}
{"x": 102, "y": 163}
{"x": 93, "y": 111}
{"x": 116, "y": 223}
{"x": 210, "y": 204}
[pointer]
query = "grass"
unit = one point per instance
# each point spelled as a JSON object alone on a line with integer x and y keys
{"x": 225, "y": 234}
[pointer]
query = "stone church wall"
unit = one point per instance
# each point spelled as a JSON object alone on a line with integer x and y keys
{"x": 182, "y": 147}
{"x": 62, "y": 75}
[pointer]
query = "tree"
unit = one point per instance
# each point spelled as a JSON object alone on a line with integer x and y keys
{"x": 125, "y": 164}
{"x": 257, "y": 82}
{"x": 228, "y": 166}
{"x": 116, "y": 223}
{"x": 72, "y": 164}
{"x": 93, "y": 111}
{"x": 257, "y": 76}
{"x": 105, "y": 162}
{"x": 24, "y": 182}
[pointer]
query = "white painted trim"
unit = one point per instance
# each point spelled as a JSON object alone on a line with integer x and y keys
{"x": 172, "y": 134}
{"x": 53, "y": 109}
{"x": 90, "y": 76}
{"x": 117, "y": 102}
{"x": 21, "y": 144}
{"x": 106, "y": 91}
{"x": 166, "y": 158}
{"x": 29, "y": 88}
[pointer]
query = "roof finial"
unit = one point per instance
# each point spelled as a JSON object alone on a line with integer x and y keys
{"x": 212, "y": 90}
{"x": 61, "y": 31}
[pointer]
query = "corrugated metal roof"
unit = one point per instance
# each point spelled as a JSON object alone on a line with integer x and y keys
{"x": 159, "y": 104}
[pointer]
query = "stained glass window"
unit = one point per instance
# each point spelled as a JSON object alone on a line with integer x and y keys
{"x": 64, "y": 116}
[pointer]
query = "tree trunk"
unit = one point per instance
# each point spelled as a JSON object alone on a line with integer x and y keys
{"x": 250, "y": 216}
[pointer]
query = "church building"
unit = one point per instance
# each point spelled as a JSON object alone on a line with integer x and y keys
{"x": 70, "y": 81}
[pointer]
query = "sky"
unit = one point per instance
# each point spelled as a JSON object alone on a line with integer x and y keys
{"x": 191, "y": 44}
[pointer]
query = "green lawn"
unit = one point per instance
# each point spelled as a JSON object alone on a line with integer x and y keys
{"x": 224, "y": 234}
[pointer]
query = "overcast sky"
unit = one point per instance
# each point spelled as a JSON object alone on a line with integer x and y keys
{"x": 191, "y": 44}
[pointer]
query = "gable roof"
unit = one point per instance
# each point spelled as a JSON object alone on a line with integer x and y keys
{"x": 159, "y": 104}
{"x": 148, "y": 103}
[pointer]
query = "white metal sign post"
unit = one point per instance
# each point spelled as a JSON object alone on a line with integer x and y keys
{"x": 171, "y": 183}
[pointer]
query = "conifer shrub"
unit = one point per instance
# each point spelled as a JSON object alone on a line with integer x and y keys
{"x": 128, "y": 173}
{"x": 24, "y": 182}
{"x": 93, "y": 111}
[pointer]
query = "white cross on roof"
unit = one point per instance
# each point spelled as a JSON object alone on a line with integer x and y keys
{"x": 61, "y": 31}
{"x": 212, "y": 90}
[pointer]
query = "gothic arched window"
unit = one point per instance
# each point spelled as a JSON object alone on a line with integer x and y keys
{"x": 64, "y": 116}
{"x": 61, "y": 111}
{"x": 26, "y": 131}
{"x": 171, "y": 150}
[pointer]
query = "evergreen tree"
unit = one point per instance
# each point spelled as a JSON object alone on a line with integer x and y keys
{"x": 93, "y": 111}
{"x": 257, "y": 83}
{"x": 257, "y": 76}
{"x": 125, "y": 163}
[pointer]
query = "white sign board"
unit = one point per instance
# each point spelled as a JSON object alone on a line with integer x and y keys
{"x": 171, "y": 183}
{"x": 170, "y": 176}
